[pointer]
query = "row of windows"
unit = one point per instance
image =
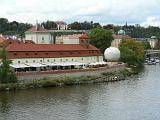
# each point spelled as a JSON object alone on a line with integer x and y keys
{"x": 61, "y": 60}
{"x": 47, "y": 53}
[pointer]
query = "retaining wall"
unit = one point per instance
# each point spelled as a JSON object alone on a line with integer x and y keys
{"x": 30, "y": 76}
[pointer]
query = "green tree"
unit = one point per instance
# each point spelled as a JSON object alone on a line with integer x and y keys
{"x": 50, "y": 25}
{"x": 6, "y": 74}
{"x": 132, "y": 52}
{"x": 146, "y": 45}
{"x": 101, "y": 38}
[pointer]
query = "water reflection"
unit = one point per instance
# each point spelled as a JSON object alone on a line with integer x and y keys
{"x": 132, "y": 99}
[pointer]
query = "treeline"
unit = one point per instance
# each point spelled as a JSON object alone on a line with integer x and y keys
{"x": 13, "y": 28}
{"x": 83, "y": 25}
{"x": 135, "y": 31}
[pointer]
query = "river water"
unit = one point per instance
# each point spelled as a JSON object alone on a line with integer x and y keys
{"x": 133, "y": 99}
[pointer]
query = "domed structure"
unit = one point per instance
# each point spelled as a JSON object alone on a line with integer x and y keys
{"x": 121, "y": 32}
{"x": 112, "y": 54}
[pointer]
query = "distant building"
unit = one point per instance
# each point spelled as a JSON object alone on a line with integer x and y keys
{"x": 39, "y": 35}
{"x": 118, "y": 38}
{"x": 61, "y": 25}
{"x": 153, "y": 41}
{"x": 68, "y": 39}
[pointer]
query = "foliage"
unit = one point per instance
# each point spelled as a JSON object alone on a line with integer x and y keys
{"x": 83, "y": 25}
{"x": 101, "y": 38}
{"x": 146, "y": 45}
{"x": 6, "y": 74}
{"x": 50, "y": 25}
{"x": 132, "y": 52}
{"x": 13, "y": 28}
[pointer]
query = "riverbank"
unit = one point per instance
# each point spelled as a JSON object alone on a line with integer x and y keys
{"x": 68, "y": 81}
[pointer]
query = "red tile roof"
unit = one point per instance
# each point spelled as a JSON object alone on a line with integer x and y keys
{"x": 121, "y": 36}
{"x": 48, "y": 47}
{"x": 36, "y": 29}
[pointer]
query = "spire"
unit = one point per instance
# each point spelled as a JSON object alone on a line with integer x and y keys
{"x": 126, "y": 24}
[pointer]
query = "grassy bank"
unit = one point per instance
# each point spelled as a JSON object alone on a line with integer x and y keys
{"x": 104, "y": 77}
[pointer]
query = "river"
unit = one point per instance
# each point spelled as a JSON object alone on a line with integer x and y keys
{"x": 133, "y": 99}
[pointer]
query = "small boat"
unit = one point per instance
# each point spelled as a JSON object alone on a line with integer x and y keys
{"x": 151, "y": 63}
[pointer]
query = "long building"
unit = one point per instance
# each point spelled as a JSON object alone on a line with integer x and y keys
{"x": 75, "y": 50}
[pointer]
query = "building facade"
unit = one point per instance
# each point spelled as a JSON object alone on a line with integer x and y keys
{"x": 43, "y": 53}
{"x": 117, "y": 40}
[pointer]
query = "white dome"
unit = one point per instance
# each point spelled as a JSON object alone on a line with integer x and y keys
{"x": 112, "y": 54}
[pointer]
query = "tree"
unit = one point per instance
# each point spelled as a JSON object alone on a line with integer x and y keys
{"x": 50, "y": 25}
{"x": 101, "y": 38}
{"x": 146, "y": 45}
{"x": 132, "y": 52}
{"x": 75, "y": 26}
{"x": 6, "y": 74}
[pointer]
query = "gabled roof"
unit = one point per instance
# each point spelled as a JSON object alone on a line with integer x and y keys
{"x": 48, "y": 47}
{"x": 121, "y": 36}
{"x": 36, "y": 28}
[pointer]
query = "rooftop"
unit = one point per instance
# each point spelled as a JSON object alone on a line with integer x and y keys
{"x": 36, "y": 28}
{"x": 121, "y": 36}
{"x": 48, "y": 47}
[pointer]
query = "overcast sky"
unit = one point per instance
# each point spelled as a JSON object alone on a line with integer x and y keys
{"x": 144, "y": 12}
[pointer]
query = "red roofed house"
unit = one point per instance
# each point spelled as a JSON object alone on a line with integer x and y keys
{"x": 118, "y": 38}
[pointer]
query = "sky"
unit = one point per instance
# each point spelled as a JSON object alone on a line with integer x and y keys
{"x": 143, "y": 12}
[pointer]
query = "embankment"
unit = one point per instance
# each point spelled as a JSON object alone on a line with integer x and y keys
{"x": 114, "y": 73}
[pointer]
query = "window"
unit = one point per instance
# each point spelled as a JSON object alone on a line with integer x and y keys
{"x": 66, "y": 59}
{"x": 26, "y": 61}
{"x": 35, "y": 53}
{"x": 46, "y": 53}
{"x": 61, "y": 60}
{"x": 42, "y": 38}
{"x": 15, "y": 53}
{"x": 19, "y": 61}
{"x": 82, "y": 59}
{"x": 54, "y": 60}
{"x": 72, "y": 59}
{"x": 40, "y": 60}
{"x": 48, "y": 60}
{"x": 27, "y": 54}
{"x": 34, "y": 61}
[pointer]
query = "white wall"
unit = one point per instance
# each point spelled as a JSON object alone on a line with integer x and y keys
{"x": 37, "y": 37}
{"x": 70, "y": 41}
{"x": 116, "y": 42}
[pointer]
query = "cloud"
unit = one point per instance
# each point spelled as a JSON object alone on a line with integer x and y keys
{"x": 152, "y": 21}
{"x": 103, "y": 11}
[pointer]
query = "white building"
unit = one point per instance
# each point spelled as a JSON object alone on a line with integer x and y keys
{"x": 68, "y": 39}
{"x": 61, "y": 25}
{"x": 153, "y": 41}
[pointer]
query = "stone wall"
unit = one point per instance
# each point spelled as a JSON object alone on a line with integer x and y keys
{"x": 70, "y": 73}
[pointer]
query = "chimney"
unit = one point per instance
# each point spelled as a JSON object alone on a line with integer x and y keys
{"x": 37, "y": 25}
{"x": 84, "y": 40}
